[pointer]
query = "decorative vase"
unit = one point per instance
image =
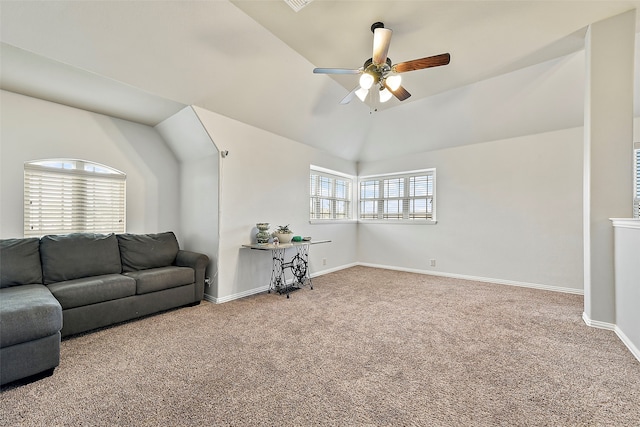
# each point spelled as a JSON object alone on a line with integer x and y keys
{"x": 283, "y": 237}
{"x": 262, "y": 236}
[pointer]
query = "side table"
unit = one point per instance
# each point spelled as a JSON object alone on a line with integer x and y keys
{"x": 299, "y": 264}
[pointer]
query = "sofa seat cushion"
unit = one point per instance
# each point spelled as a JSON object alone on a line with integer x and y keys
{"x": 20, "y": 262}
{"x": 158, "y": 279}
{"x": 143, "y": 251}
{"x": 92, "y": 290}
{"x": 78, "y": 255}
{"x": 27, "y": 313}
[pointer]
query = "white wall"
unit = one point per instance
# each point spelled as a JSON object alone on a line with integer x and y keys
{"x": 522, "y": 102}
{"x": 608, "y": 175}
{"x": 34, "y": 129}
{"x": 265, "y": 178}
{"x": 199, "y": 170}
{"x": 508, "y": 210}
{"x": 627, "y": 282}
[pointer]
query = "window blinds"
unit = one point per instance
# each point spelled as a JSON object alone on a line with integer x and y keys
{"x": 330, "y": 196}
{"x": 61, "y": 201}
{"x": 398, "y": 197}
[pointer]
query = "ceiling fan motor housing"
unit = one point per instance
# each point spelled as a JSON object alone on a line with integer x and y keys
{"x": 379, "y": 72}
{"x": 376, "y": 25}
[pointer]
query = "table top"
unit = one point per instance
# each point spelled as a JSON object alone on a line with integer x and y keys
{"x": 271, "y": 246}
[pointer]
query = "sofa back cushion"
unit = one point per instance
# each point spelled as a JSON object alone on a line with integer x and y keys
{"x": 20, "y": 262}
{"x": 78, "y": 255}
{"x": 144, "y": 251}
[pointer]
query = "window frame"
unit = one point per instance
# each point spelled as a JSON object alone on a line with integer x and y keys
{"x": 333, "y": 200}
{"x": 406, "y": 198}
{"x": 63, "y": 196}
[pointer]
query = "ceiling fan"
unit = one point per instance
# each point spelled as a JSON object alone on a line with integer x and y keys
{"x": 379, "y": 78}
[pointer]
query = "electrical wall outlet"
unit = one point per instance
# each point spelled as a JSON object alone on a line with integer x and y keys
{"x": 324, "y": 261}
{"x": 432, "y": 262}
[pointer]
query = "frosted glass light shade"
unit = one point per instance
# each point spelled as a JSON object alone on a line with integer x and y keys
{"x": 385, "y": 95}
{"x": 366, "y": 80}
{"x": 394, "y": 81}
{"x": 362, "y": 94}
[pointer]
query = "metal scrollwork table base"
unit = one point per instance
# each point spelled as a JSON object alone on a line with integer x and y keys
{"x": 299, "y": 265}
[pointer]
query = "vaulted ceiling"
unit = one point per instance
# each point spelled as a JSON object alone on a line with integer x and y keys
{"x": 253, "y": 61}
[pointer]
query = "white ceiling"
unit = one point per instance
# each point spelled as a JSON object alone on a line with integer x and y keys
{"x": 253, "y": 61}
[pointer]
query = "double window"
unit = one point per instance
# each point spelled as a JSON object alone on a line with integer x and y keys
{"x": 406, "y": 196}
{"x": 402, "y": 197}
{"x": 330, "y": 195}
{"x": 66, "y": 196}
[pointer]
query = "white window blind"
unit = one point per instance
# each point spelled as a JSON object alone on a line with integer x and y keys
{"x": 406, "y": 197}
{"x": 68, "y": 196}
{"x": 330, "y": 195}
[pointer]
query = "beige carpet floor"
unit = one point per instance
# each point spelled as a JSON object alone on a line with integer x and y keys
{"x": 365, "y": 347}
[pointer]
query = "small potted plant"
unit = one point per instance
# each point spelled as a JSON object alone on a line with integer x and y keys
{"x": 283, "y": 233}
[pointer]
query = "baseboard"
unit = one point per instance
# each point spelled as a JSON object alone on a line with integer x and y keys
{"x": 266, "y": 288}
{"x": 478, "y": 279}
{"x": 236, "y": 296}
{"x": 334, "y": 269}
{"x": 408, "y": 270}
{"x": 626, "y": 341}
{"x": 597, "y": 323}
{"x": 613, "y": 327}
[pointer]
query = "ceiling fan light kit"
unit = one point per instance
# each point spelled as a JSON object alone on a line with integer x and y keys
{"x": 378, "y": 71}
{"x": 362, "y": 93}
{"x": 366, "y": 81}
{"x": 394, "y": 81}
{"x": 385, "y": 95}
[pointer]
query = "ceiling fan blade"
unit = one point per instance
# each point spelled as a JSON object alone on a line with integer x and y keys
{"x": 381, "y": 41}
{"x": 347, "y": 99}
{"x": 336, "y": 71}
{"x": 400, "y": 93}
{"x": 419, "y": 64}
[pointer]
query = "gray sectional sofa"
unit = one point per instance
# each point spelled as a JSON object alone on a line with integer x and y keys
{"x": 61, "y": 285}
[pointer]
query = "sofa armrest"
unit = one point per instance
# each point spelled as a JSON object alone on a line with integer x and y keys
{"x": 199, "y": 263}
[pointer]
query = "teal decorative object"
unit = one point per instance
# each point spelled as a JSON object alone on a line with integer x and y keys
{"x": 296, "y": 239}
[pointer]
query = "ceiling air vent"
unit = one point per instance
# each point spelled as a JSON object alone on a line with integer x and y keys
{"x": 297, "y": 4}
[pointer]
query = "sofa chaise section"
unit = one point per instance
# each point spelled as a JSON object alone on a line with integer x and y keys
{"x": 30, "y": 316}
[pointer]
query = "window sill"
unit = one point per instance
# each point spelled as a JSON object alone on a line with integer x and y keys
{"x": 397, "y": 222}
{"x": 332, "y": 221}
{"x": 370, "y": 221}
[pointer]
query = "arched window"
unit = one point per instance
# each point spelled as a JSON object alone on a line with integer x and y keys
{"x": 64, "y": 196}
